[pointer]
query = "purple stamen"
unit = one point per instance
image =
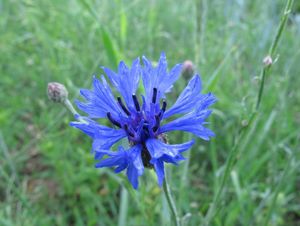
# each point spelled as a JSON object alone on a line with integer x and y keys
{"x": 163, "y": 109}
{"x": 127, "y": 130}
{"x": 123, "y": 106}
{"x": 113, "y": 121}
{"x": 136, "y": 102}
{"x": 164, "y": 106}
{"x": 157, "y": 122}
{"x": 154, "y": 95}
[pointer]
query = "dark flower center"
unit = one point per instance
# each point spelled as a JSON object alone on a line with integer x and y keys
{"x": 146, "y": 157}
{"x": 141, "y": 125}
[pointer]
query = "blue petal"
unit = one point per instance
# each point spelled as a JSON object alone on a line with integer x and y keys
{"x": 161, "y": 152}
{"x": 174, "y": 160}
{"x": 135, "y": 167}
{"x": 157, "y": 148}
{"x": 166, "y": 84}
{"x": 191, "y": 122}
{"x": 99, "y": 101}
{"x": 91, "y": 109}
{"x": 126, "y": 80}
{"x": 205, "y": 101}
{"x": 159, "y": 77}
{"x": 136, "y": 158}
{"x": 160, "y": 171}
{"x": 103, "y": 137}
{"x": 87, "y": 94}
{"x": 98, "y": 155}
{"x": 188, "y": 99}
{"x": 119, "y": 159}
{"x": 122, "y": 159}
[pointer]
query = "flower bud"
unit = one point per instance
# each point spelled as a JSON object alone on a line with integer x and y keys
{"x": 188, "y": 69}
{"x": 268, "y": 61}
{"x": 57, "y": 92}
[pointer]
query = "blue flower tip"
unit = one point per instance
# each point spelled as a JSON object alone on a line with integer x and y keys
{"x": 136, "y": 61}
{"x": 122, "y": 63}
{"x": 76, "y": 116}
{"x": 197, "y": 76}
{"x": 192, "y": 142}
{"x": 97, "y": 165}
{"x": 160, "y": 183}
{"x": 145, "y": 59}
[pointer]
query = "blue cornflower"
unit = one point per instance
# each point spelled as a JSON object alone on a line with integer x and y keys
{"x": 140, "y": 120}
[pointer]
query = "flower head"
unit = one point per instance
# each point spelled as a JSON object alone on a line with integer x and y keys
{"x": 142, "y": 120}
{"x": 57, "y": 92}
{"x": 188, "y": 69}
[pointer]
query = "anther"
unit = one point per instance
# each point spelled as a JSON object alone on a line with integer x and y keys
{"x": 127, "y": 130}
{"x": 113, "y": 121}
{"x": 163, "y": 109}
{"x": 164, "y": 106}
{"x": 154, "y": 95}
{"x": 136, "y": 102}
{"x": 123, "y": 106}
{"x": 157, "y": 121}
{"x": 146, "y": 130}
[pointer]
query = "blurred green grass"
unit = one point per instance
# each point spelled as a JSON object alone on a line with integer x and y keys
{"x": 46, "y": 170}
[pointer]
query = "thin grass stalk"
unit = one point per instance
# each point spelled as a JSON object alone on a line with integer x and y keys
{"x": 277, "y": 190}
{"x": 234, "y": 151}
{"x": 272, "y": 50}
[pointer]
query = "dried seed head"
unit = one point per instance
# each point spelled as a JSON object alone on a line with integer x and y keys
{"x": 57, "y": 92}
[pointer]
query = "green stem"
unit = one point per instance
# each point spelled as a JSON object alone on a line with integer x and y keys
{"x": 124, "y": 197}
{"x": 228, "y": 166}
{"x": 261, "y": 88}
{"x": 123, "y": 207}
{"x": 234, "y": 151}
{"x": 272, "y": 50}
{"x": 171, "y": 202}
{"x": 281, "y": 26}
{"x": 70, "y": 107}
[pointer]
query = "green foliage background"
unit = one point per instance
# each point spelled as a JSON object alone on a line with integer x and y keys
{"x": 46, "y": 169}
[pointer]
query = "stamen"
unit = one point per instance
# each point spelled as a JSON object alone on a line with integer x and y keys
{"x": 136, "y": 102}
{"x": 163, "y": 109}
{"x": 113, "y": 121}
{"x": 164, "y": 106}
{"x": 159, "y": 114}
{"x": 157, "y": 121}
{"x": 127, "y": 130}
{"x": 154, "y": 95}
{"x": 123, "y": 106}
{"x": 146, "y": 130}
